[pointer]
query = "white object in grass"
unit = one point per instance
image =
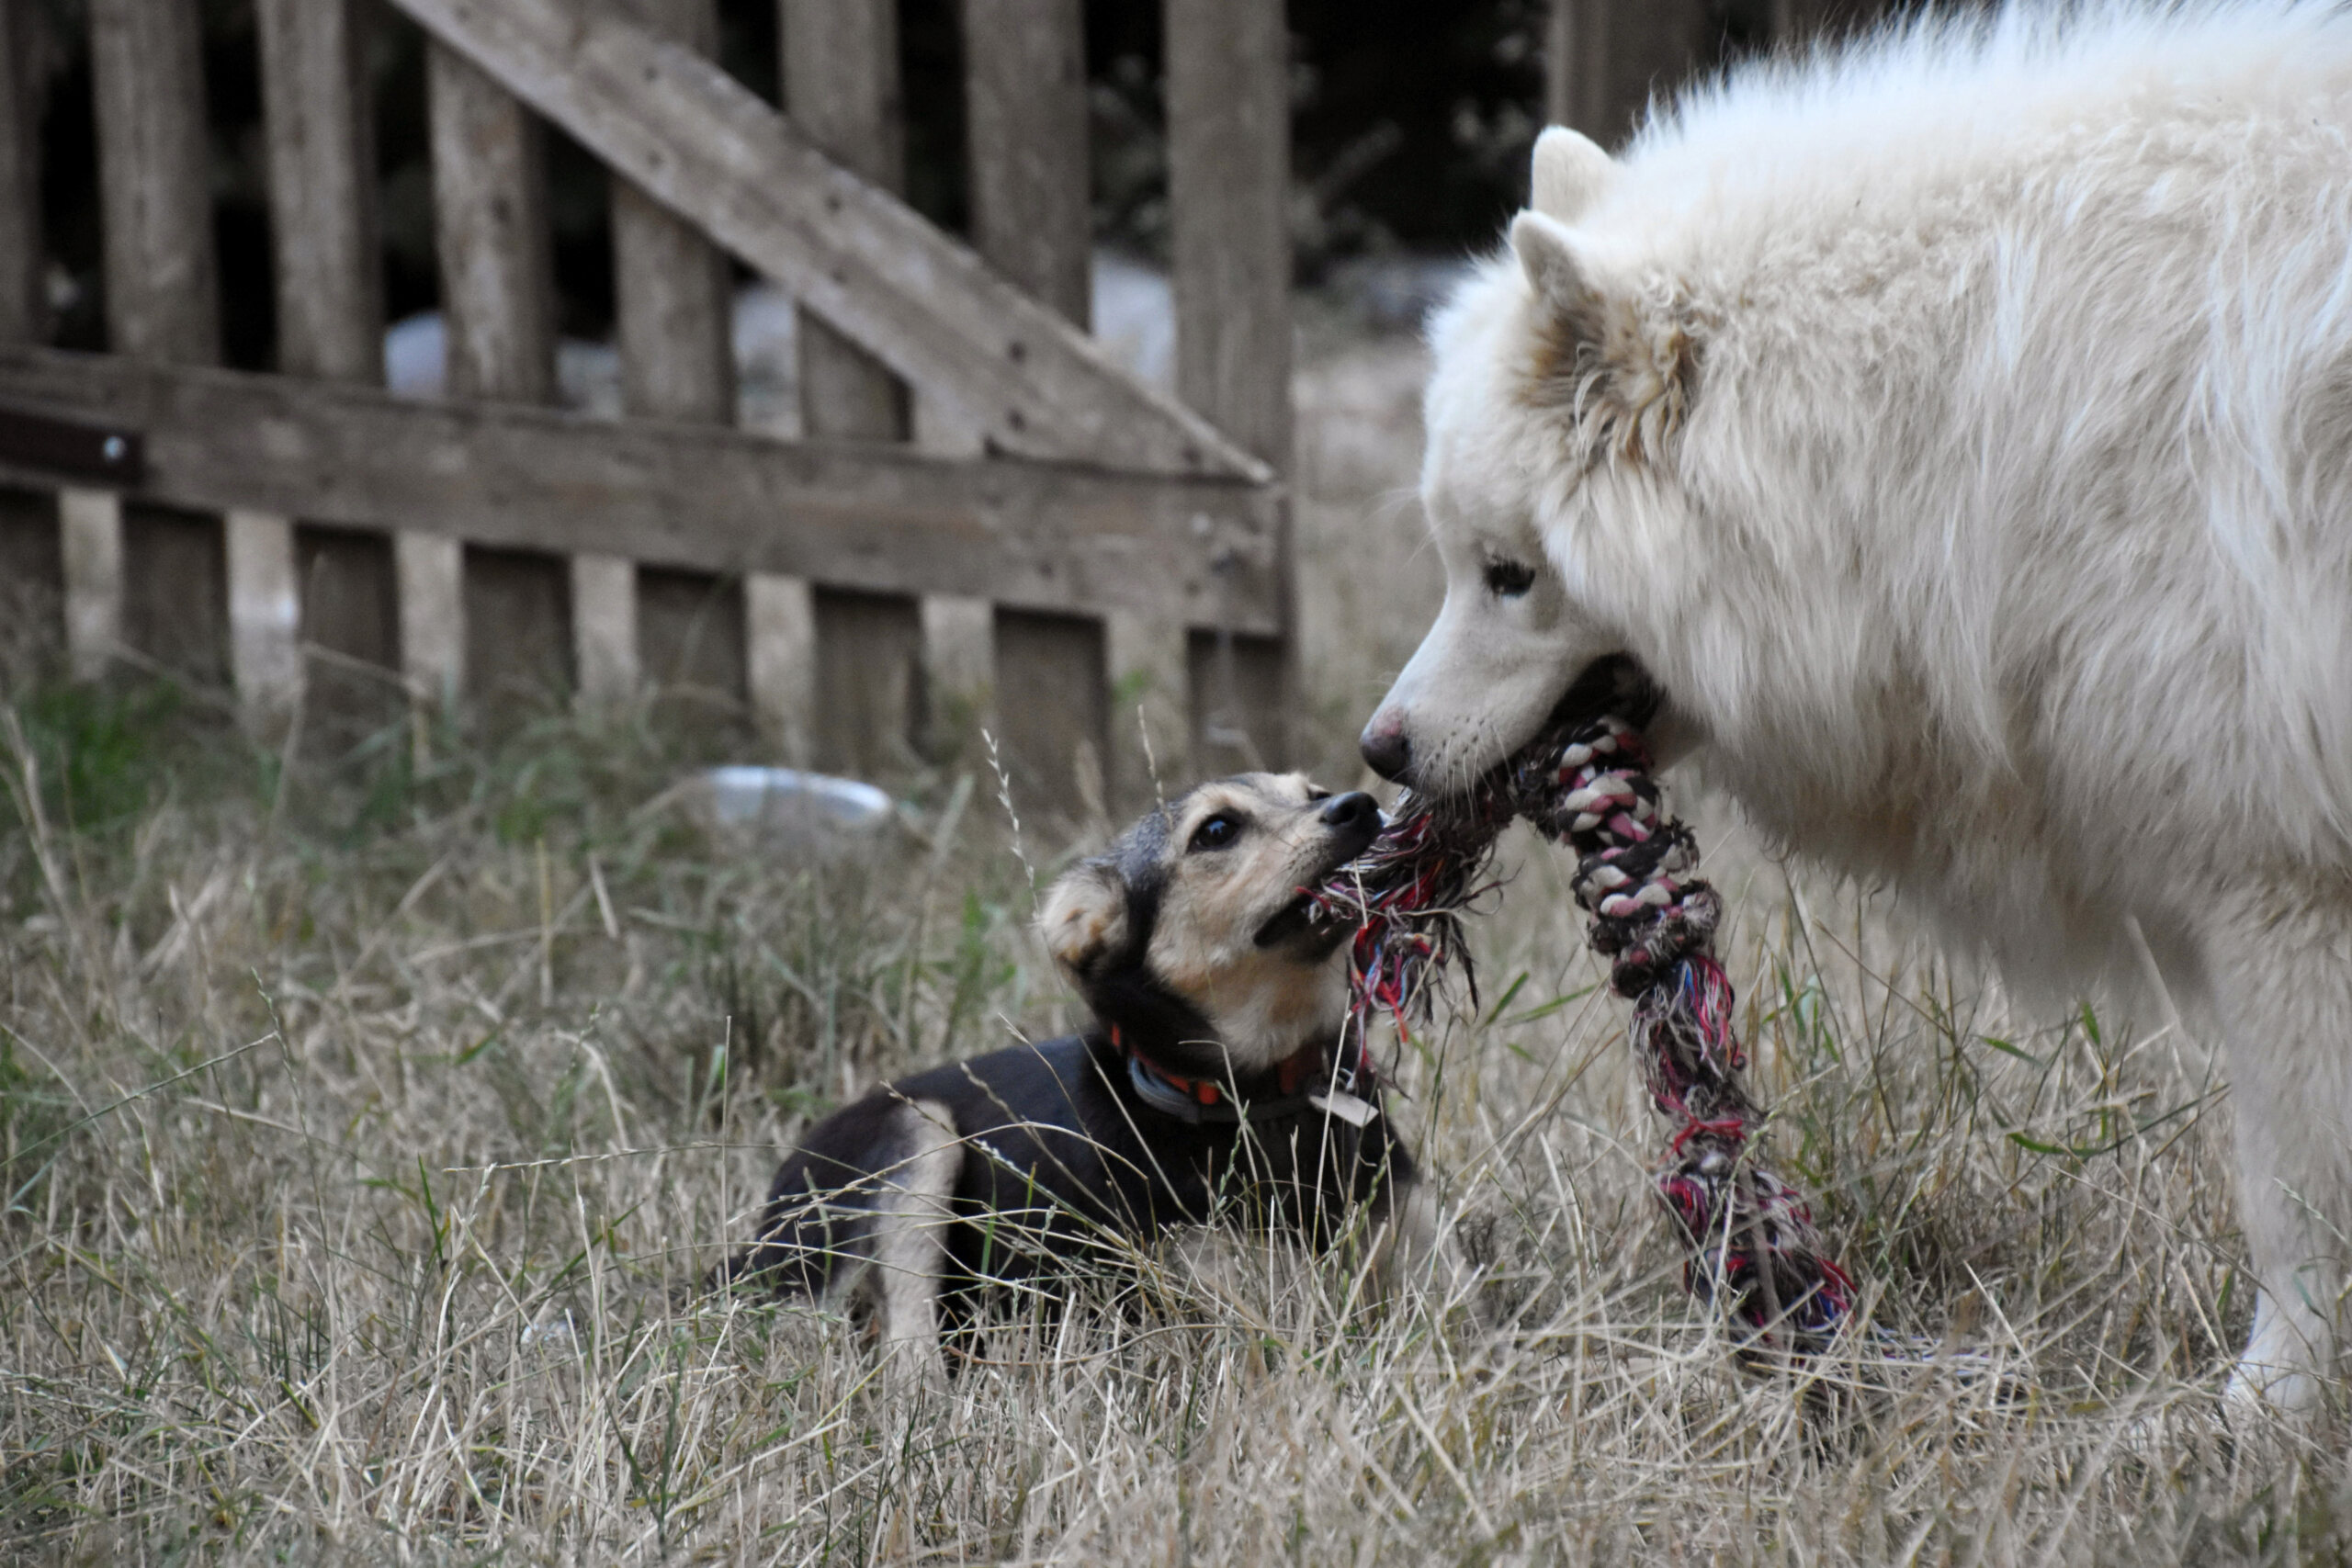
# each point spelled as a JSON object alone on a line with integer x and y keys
{"x": 748, "y": 797}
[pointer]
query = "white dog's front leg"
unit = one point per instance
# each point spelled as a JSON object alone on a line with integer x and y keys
{"x": 2283, "y": 979}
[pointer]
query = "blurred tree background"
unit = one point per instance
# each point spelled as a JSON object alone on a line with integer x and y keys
{"x": 1411, "y": 124}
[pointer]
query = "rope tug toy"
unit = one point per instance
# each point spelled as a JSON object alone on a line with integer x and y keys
{"x": 1749, "y": 1239}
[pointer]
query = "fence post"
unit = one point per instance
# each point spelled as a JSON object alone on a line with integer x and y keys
{"x": 1025, "y": 75}
{"x": 155, "y": 180}
{"x": 264, "y": 612}
{"x": 23, "y": 309}
{"x": 604, "y": 629}
{"x": 1228, "y": 194}
{"x": 672, "y": 295}
{"x": 322, "y": 189}
{"x": 670, "y": 285}
{"x": 780, "y": 660}
{"x": 90, "y": 556}
{"x": 841, "y": 89}
{"x": 1603, "y": 59}
{"x": 155, "y": 201}
{"x": 497, "y": 295}
{"x": 330, "y": 298}
{"x": 490, "y": 212}
{"x": 429, "y": 572}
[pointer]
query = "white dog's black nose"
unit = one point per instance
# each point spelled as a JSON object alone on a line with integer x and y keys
{"x": 1355, "y": 810}
{"x": 1386, "y": 748}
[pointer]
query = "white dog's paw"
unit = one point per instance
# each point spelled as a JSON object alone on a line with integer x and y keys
{"x": 2262, "y": 1391}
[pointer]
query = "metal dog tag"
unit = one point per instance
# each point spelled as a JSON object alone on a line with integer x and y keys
{"x": 1345, "y": 1106}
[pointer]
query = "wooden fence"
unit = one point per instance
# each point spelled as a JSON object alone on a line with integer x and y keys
{"x": 1605, "y": 59}
{"x": 1096, "y": 571}
{"x": 1074, "y": 541}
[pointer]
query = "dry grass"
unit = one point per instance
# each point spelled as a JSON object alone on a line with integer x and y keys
{"x": 365, "y": 1123}
{"x": 362, "y": 1155}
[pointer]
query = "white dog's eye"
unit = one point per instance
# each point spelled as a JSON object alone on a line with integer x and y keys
{"x": 1508, "y": 579}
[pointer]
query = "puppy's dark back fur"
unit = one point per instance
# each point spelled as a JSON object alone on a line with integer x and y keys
{"x": 1059, "y": 1154}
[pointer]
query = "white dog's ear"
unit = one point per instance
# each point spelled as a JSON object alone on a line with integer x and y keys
{"x": 1622, "y": 365}
{"x": 1085, "y": 916}
{"x": 1547, "y": 253}
{"x": 1569, "y": 172}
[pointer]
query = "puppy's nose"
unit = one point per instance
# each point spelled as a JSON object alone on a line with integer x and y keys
{"x": 1356, "y": 809}
{"x": 1385, "y": 747}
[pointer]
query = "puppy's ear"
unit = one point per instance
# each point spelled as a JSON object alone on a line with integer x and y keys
{"x": 1085, "y": 917}
{"x": 1569, "y": 172}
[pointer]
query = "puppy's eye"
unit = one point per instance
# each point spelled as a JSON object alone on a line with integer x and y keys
{"x": 1508, "y": 579}
{"x": 1216, "y": 833}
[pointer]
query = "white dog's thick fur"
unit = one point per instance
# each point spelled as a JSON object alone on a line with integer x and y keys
{"x": 1959, "y": 430}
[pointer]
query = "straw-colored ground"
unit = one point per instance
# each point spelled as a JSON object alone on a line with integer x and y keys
{"x": 364, "y": 1124}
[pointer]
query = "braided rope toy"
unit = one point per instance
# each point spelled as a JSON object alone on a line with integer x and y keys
{"x": 1749, "y": 1239}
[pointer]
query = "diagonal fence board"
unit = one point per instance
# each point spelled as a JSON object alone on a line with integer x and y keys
{"x": 703, "y": 144}
{"x": 1034, "y": 536}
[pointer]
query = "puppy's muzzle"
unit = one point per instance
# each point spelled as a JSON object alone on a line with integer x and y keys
{"x": 1353, "y": 821}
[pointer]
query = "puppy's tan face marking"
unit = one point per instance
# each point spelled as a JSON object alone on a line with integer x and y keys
{"x": 1239, "y": 854}
{"x": 1207, "y": 898}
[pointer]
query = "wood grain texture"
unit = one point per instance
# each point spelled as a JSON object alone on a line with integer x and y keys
{"x": 959, "y": 672}
{"x": 23, "y": 316}
{"x": 872, "y": 698}
{"x": 1150, "y": 715}
{"x": 519, "y": 640}
{"x": 1228, "y": 186}
{"x": 489, "y": 226}
{"x": 319, "y": 121}
{"x": 33, "y": 585}
{"x": 1605, "y": 59}
{"x": 1038, "y": 535}
{"x": 90, "y": 549}
{"x": 1053, "y": 739}
{"x": 264, "y": 612}
{"x": 690, "y": 645}
{"x": 604, "y": 618}
{"x": 498, "y": 304}
{"x": 780, "y": 648}
{"x": 154, "y": 180}
{"x": 351, "y": 613}
{"x": 1025, "y": 101}
{"x": 1241, "y": 696}
{"x": 430, "y": 572}
{"x": 671, "y": 291}
{"x": 840, "y": 70}
{"x": 175, "y": 590}
{"x": 319, "y": 118}
{"x": 1229, "y": 197}
{"x": 930, "y": 308}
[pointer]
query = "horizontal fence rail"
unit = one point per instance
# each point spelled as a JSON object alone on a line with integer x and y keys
{"x": 878, "y": 517}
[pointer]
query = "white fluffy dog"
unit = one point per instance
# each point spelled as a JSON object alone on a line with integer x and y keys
{"x": 1958, "y": 431}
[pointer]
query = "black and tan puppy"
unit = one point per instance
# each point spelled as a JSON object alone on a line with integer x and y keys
{"x": 1212, "y": 1085}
